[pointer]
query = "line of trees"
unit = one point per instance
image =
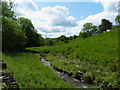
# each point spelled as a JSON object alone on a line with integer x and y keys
{"x": 17, "y": 33}
{"x": 89, "y": 29}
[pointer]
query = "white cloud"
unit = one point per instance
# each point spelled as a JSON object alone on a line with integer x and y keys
{"x": 50, "y": 20}
{"x": 109, "y": 12}
{"x": 59, "y": 16}
{"x": 56, "y": 21}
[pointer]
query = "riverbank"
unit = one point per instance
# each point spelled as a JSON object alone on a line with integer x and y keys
{"x": 71, "y": 78}
{"x": 96, "y": 57}
{"x": 29, "y": 72}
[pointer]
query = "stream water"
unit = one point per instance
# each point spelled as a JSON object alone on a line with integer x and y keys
{"x": 77, "y": 83}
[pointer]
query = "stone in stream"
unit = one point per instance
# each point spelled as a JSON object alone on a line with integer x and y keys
{"x": 78, "y": 75}
{"x": 3, "y": 65}
{"x": 5, "y": 78}
{"x": 70, "y": 74}
{"x": 2, "y": 73}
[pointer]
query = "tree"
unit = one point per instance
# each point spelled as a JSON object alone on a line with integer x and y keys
{"x": 7, "y": 10}
{"x": 117, "y": 19}
{"x": 105, "y": 25}
{"x": 41, "y": 40}
{"x": 62, "y": 38}
{"x": 88, "y": 30}
{"x": 12, "y": 36}
{"x": 33, "y": 38}
{"x": 70, "y": 38}
{"x": 49, "y": 41}
{"x": 84, "y": 34}
{"x": 75, "y": 36}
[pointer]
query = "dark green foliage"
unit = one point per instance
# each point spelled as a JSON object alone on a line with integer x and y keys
{"x": 117, "y": 19}
{"x": 74, "y": 37}
{"x": 33, "y": 39}
{"x": 88, "y": 30}
{"x": 12, "y": 36}
{"x": 84, "y": 34}
{"x": 6, "y": 10}
{"x": 70, "y": 38}
{"x": 17, "y": 33}
{"x": 62, "y": 38}
{"x": 105, "y": 25}
{"x": 49, "y": 42}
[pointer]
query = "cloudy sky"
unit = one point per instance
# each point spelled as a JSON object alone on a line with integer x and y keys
{"x": 53, "y": 19}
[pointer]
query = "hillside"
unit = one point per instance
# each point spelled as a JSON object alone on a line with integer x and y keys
{"x": 96, "y": 57}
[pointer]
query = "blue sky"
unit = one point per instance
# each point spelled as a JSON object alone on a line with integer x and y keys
{"x": 80, "y": 10}
{"x": 53, "y": 19}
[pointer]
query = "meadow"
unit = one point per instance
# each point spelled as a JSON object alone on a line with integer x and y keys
{"x": 29, "y": 72}
{"x": 96, "y": 57}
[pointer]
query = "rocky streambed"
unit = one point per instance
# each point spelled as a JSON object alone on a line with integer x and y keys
{"x": 75, "y": 79}
{"x": 6, "y": 78}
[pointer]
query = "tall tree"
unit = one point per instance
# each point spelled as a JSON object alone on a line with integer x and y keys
{"x": 7, "y": 10}
{"x": 117, "y": 19}
{"x": 33, "y": 38}
{"x": 12, "y": 36}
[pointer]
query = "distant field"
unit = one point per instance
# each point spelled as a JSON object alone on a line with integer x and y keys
{"x": 96, "y": 57}
{"x": 29, "y": 72}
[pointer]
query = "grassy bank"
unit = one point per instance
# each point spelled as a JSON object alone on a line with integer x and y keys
{"x": 96, "y": 57}
{"x": 29, "y": 72}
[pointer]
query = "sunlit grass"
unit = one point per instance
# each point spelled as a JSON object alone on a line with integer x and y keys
{"x": 29, "y": 72}
{"x": 96, "y": 57}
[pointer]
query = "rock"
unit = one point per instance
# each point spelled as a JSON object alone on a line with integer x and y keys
{"x": 11, "y": 83}
{"x": 78, "y": 75}
{"x": 105, "y": 84}
{"x": 70, "y": 74}
{"x": 3, "y": 64}
{"x": 82, "y": 81}
{"x": 5, "y": 79}
{"x": 2, "y": 73}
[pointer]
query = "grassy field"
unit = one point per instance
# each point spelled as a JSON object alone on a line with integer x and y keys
{"x": 96, "y": 57}
{"x": 29, "y": 72}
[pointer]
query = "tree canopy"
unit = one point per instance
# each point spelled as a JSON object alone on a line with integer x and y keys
{"x": 117, "y": 19}
{"x": 105, "y": 25}
{"x": 33, "y": 38}
{"x": 12, "y": 36}
{"x": 88, "y": 30}
{"x": 17, "y": 33}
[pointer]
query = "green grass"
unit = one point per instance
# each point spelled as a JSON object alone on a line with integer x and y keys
{"x": 29, "y": 72}
{"x": 96, "y": 57}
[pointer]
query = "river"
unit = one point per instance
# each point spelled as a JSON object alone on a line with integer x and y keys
{"x": 75, "y": 82}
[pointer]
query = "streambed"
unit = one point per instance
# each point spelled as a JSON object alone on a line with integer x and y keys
{"x": 71, "y": 80}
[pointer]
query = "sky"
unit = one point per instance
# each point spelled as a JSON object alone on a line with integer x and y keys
{"x": 53, "y": 19}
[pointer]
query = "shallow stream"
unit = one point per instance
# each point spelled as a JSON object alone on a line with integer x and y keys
{"x": 77, "y": 83}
